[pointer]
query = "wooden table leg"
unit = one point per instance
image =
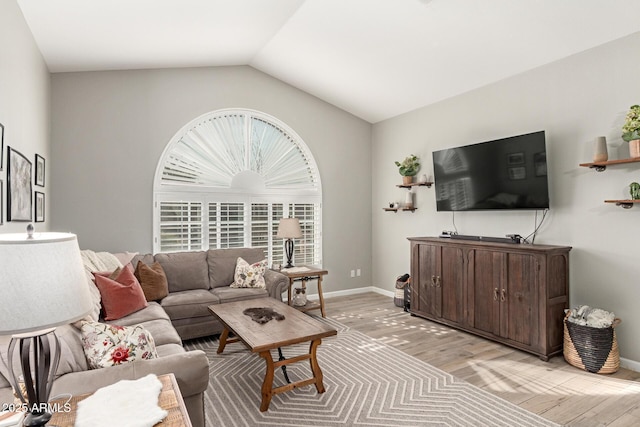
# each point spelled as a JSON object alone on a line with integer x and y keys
{"x": 223, "y": 340}
{"x": 315, "y": 368}
{"x": 267, "y": 384}
{"x": 320, "y": 295}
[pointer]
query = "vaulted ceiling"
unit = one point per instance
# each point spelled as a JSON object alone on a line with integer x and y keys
{"x": 374, "y": 58}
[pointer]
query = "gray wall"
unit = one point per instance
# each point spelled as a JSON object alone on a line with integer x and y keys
{"x": 110, "y": 128}
{"x": 24, "y": 103}
{"x": 574, "y": 100}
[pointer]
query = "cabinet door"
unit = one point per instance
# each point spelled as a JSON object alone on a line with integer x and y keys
{"x": 486, "y": 283}
{"x": 451, "y": 282}
{"x": 519, "y": 299}
{"x": 430, "y": 296}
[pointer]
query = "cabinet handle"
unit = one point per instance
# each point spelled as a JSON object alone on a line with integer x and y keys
{"x": 433, "y": 280}
{"x": 495, "y": 294}
{"x": 503, "y": 295}
{"x": 437, "y": 281}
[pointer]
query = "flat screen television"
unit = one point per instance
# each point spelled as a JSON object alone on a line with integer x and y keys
{"x": 508, "y": 173}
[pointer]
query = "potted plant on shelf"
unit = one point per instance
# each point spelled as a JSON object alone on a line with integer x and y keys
{"x": 408, "y": 168}
{"x": 631, "y": 130}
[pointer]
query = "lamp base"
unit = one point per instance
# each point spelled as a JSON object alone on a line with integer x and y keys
{"x": 36, "y": 419}
{"x": 288, "y": 250}
{"x": 37, "y": 372}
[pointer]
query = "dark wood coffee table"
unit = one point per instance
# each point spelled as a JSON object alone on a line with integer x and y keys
{"x": 296, "y": 328}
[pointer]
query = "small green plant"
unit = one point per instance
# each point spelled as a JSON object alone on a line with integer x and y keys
{"x": 631, "y": 127}
{"x": 634, "y": 189}
{"x": 409, "y": 166}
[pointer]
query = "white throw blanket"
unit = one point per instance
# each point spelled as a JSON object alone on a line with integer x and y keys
{"x": 588, "y": 316}
{"x": 127, "y": 403}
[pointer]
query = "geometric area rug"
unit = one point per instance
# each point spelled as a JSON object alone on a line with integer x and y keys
{"x": 367, "y": 383}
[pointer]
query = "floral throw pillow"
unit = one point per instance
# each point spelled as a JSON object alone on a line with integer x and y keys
{"x": 249, "y": 275}
{"x": 108, "y": 345}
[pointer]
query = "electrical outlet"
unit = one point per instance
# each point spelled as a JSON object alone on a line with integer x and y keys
{"x": 358, "y": 272}
{"x": 353, "y": 273}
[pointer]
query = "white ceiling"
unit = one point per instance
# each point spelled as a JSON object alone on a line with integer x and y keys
{"x": 373, "y": 58}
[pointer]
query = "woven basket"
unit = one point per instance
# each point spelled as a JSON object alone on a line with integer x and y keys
{"x": 399, "y": 298}
{"x": 591, "y": 349}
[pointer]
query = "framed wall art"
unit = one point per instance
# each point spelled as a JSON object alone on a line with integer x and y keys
{"x": 518, "y": 173}
{"x": 39, "y": 213}
{"x": 19, "y": 190}
{"x": 540, "y": 163}
{"x": 39, "y": 170}
{"x": 1, "y": 146}
{"x": 515, "y": 159}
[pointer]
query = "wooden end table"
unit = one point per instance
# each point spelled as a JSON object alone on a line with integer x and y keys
{"x": 261, "y": 338}
{"x": 170, "y": 400}
{"x": 304, "y": 274}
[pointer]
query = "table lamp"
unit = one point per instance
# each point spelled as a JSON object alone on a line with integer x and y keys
{"x": 289, "y": 228}
{"x": 43, "y": 286}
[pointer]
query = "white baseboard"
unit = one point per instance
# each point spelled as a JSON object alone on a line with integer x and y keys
{"x": 354, "y": 291}
{"x": 630, "y": 364}
{"x": 625, "y": 363}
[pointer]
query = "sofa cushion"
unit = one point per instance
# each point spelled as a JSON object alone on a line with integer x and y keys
{"x": 72, "y": 358}
{"x": 120, "y": 296}
{"x": 228, "y": 294}
{"x": 163, "y": 332}
{"x": 109, "y": 345}
{"x": 97, "y": 261}
{"x": 146, "y": 258}
{"x": 249, "y": 275}
{"x": 169, "y": 349}
{"x": 185, "y": 270}
{"x": 186, "y": 304}
{"x": 153, "y": 311}
{"x": 152, "y": 280}
{"x": 222, "y": 263}
{"x": 125, "y": 257}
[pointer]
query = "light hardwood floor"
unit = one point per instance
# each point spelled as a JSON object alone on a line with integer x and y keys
{"x": 555, "y": 390}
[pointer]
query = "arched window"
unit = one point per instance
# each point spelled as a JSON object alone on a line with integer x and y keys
{"x": 225, "y": 180}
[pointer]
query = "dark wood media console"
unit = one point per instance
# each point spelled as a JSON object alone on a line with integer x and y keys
{"x": 514, "y": 294}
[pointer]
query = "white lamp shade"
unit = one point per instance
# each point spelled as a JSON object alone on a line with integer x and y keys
{"x": 43, "y": 282}
{"x": 289, "y": 228}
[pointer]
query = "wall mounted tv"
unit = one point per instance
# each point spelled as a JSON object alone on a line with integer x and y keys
{"x": 508, "y": 173}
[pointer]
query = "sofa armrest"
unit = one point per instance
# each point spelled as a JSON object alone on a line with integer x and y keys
{"x": 191, "y": 370}
{"x": 276, "y": 282}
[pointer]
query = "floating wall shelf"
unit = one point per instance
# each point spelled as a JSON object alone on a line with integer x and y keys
{"x": 602, "y": 166}
{"x": 417, "y": 184}
{"x": 625, "y": 204}
{"x": 399, "y": 209}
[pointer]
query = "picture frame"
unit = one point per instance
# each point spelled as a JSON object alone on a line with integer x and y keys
{"x": 39, "y": 180}
{"x": 517, "y": 173}
{"x": 540, "y": 163}
{"x": 19, "y": 189}
{"x": 39, "y": 207}
{"x": 1, "y": 146}
{"x": 515, "y": 159}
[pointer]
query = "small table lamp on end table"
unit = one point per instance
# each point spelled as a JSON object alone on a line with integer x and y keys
{"x": 44, "y": 286}
{"x": 289, "y": 228}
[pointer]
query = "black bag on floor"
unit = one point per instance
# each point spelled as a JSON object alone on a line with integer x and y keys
{"x": 402, "y": 297}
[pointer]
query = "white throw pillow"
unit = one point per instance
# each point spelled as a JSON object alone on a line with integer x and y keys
{"x": 249, "y": 275}
{"x": 108, "y": 345}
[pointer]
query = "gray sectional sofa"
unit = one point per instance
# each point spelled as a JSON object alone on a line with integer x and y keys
{"x": 199, "y": 279}
{"x": 196, "y": 280}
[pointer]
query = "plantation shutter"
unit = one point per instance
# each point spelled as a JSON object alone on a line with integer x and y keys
{"x": 180, "y": 226}
{"x": 248, "y": 170}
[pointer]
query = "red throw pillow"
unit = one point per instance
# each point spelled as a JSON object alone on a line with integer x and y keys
{"x": 121, "y": 296}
